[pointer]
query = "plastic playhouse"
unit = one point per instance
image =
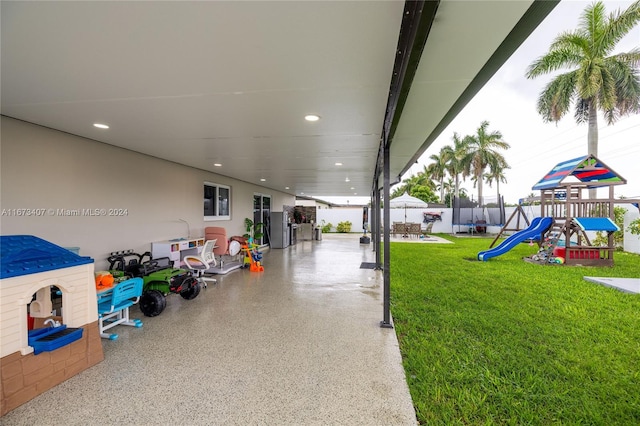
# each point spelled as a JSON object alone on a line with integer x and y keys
{"x": 568, "y": 215}
{"x": 59, "y": 347}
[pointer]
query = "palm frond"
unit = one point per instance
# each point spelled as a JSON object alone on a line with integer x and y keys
{"x": 631, "y": 58}
{"x": 611, "y": 115}
{"x": 553, "y": 61}
{"x": 607, "y": 98}
{"x": 574, "y": 41}
{"x": 592, "y": 20}
{"x": 627, "y": 87}
{"x": 581, "y": 113}
{"x": 618, "y": 26}
{"x": 555, "y": 99}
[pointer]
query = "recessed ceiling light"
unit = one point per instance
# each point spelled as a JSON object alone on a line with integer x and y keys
{"x": 100, "y": 126}
{"x": 347, "y": 180}
{"x": 338, "y": 164}
{"x": 352, "y": 187}
{"x": 286, "y": 187}
{"x": 262, "y": 180}
{"x": 302, "y": 193}
{"x": 312, "y": 117}
{"x": 217, "y": 165}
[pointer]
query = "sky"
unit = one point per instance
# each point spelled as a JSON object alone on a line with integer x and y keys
{"x": 508, "y": 102}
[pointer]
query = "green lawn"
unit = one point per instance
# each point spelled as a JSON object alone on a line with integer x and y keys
{"x": 509, "y": 342}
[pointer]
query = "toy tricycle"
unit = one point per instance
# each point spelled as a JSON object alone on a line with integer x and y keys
{"x": 252, "y": 257}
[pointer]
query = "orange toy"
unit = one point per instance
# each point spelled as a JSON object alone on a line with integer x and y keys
{"x": 104, "y": 280}
{"x": 253, "y": 256}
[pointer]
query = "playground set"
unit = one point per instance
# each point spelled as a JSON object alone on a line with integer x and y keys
{"x": 567, "y": 215}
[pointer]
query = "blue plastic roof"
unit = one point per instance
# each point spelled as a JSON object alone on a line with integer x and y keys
{"x": 586, "y": 169}
{"x": 26, "y": 254}
{"x": 596, "y": 224}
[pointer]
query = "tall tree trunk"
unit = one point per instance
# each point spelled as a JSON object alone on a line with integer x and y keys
{"x": 592, "y": 139}
{"x": 479, "y": 181}
{"x": 457, "y": 188}
{"x": 442, "y": 190}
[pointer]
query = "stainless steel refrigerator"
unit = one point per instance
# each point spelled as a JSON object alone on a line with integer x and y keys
{"x": 279, "y": 230}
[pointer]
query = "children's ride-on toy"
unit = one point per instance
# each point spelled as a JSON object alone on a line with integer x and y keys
{"x": 159, "y": 276}
{"x": 252, "y": 256}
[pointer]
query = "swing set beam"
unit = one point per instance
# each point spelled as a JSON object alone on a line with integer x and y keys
{"x": 520, "y": 212}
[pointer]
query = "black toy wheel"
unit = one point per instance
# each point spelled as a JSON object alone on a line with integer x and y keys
{"x": 152, "y": 303}
{"x": 192, "y": 289}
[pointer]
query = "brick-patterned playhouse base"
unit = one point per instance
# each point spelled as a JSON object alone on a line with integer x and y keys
{"x": 25, "y": 377}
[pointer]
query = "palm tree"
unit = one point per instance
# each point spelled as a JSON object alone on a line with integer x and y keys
{"x": 482, "y": 152}
{"x": 598, "y": 80}
{"x": 438, "y": 169}
{"x": 455, "y": 156}
{"x": 446, "y": 187}
{"x": 496, "y": 174}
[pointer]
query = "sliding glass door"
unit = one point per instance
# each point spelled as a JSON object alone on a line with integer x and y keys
{"x": 261, "y": 213}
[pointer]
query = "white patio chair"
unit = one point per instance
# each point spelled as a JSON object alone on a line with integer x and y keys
{"x": 201, "y": 263}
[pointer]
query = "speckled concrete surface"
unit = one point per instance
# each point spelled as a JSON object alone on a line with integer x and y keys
{"x": 298, "y": 344}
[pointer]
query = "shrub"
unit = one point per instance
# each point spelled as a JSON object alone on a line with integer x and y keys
{"x": 326, "y": 227}
{"x": 344, "y": 226}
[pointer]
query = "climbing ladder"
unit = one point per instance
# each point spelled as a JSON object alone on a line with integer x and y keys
{"x": 549, "y": 243}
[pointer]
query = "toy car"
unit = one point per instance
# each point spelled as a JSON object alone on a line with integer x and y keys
{"x": 159, "y": 276}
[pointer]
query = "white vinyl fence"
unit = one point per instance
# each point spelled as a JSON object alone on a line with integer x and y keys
{"x": 354, "y": 215}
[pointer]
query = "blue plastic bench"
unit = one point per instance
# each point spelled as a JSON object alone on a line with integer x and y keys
{"x": 114, "y": 304}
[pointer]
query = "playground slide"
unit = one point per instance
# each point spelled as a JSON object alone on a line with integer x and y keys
{"x": 534, "y": 231}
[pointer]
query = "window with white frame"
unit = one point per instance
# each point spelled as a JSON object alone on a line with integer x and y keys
{"x": 217, "y": 201}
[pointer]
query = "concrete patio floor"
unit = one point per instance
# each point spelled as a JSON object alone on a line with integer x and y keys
{"x": 627, "y": 285}
{"x": 298, "y": 344}
{"x": 427, "y": 239}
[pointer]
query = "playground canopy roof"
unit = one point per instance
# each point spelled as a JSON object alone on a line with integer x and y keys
{"x": 583, "y": 171}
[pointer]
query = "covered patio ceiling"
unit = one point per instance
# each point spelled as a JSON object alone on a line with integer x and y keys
{"x": 224, "y": 86}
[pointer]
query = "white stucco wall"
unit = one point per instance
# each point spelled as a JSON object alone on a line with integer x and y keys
{"x": 46, "y": 169}
{"x": 354, "y": 215}
{"x": 631, "y": 242}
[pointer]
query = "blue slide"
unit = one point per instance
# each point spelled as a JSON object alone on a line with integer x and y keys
{"x": 538, "y": 226}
